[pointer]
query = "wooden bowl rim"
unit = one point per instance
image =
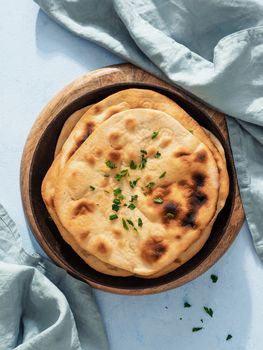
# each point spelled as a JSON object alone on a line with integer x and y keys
{"x": 33, "y": 143}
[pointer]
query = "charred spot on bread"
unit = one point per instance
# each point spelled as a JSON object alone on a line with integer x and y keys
{"x": 130, "y": 123}
{"x": 114, "y": 155}
{"x": 201, "y": 157}
{"x": 83, "y": 235}
{"x": 102, "y": 248}
{"x": 198, "y": 179}
{"x": 90, "y": 159}
{"x": 83, "y": 208}
{"x": 165, "y": 142}
{"x": 153, "y": 249}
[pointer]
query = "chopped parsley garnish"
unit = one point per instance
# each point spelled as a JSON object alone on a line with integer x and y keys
{"x": 92, "y": 188}
{"x": 162, "y": 175}
{"x": 118, "y": 193}
{"x": 229, "y": 336}
{"x": 170, "y": 215}
{"x": 157, "y": 154}
{"x": 155, "y": 134}
{"x": 134, "y": 198}
{"x": 122, "y": 174}
{"x": 130, "y": 222}
{"x": 158, "y": 200}
{"x": 134, "y": 182}
{"x": 181, "y": 318}
{"x": 150, "y": 185}
{"x": 124, "y": 224}
{"x": 196, "y": 329}
{"x": 106, "y": 175}
{"x": 131, "y": 206}
{"x": 115, "y": 207}
{"x": 144, "y": 160}
{"x": 113, "y": 217}
{"x": 133, "y": 165}
{"x": 140, "y": 222}
{"x": 209, "y": 311}
{"x": 202, "y": 320}
{"x": 214, "y": 278}
{"x": 186, "y": 304}
{"x": 191, "y": 131}
{"x": 106, "y": 191}
{"x": 110, "y": 164}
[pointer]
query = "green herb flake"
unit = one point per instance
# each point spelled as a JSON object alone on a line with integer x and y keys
{"x": 124, "y": 224}
{"x": 143, "y": 163}
{"x": 106, "y": 175}
{"x": 117, "y": 191}
{"x": 196, "y": 329}
{"x": 131, "y": 206}
{"x": 140, "y": 222}
{"x": 106, "y": 191}
{"x": 214, "y": 278}
{"x": 133, "y": 165}
{"x": 229, "y": 336}
{"x": 209, "y": 311}
{"x": 181, "y": 318}
{"x": 155, "y": 134}
{"x": 170, "y": 215}
{"x": 162, "y": 175}
{"x": 186, "y": 304}
{"x": 122, "y": 174}
{"x": 113, "y": 217}
{"x": 157, "y": 155}
{"x": 191, "y": 131}
{"x": 134, "y": 198}
{"x": 134, "y": 182}
{"x": 143, "y": 151}
{"x": 110, "y": 164}
{"x": 130, "y": 222}
{"x": 150, "y": 185}
{"x": 158, "y": 200}
{"x": 115, "y": 207}
{"x": 92, "y": 188}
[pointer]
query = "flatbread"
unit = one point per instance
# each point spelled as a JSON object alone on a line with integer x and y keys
{"x": 118, "y": 101}
{"x": 108, "y": 269}
{"x": 190, "y": 188}
{"x": 68, "y": 127}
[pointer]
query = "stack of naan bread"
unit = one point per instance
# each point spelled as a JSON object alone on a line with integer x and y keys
{"x": 136, "y": 184}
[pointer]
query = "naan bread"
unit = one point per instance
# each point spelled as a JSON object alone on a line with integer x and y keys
{"x": 68, "y": 127}
{"x": 111, "y": 270}
{"x": 118, "y": 101}
{"x": 189, "y": 189}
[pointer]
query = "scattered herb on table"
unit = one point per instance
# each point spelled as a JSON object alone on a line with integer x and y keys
{"x": 186, "y": 304}
{"x": 209, "y": 311}
{"x": 202, "y": 320}
{"x": 229, "y": 336}
{"x": 214, "y": 278}
{"x": 196, "y": 329}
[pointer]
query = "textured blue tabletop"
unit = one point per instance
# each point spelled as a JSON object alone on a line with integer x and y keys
{"x": 37, "y": 59}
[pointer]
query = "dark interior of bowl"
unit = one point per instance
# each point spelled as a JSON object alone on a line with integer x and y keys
{"x": 43, "y": 158}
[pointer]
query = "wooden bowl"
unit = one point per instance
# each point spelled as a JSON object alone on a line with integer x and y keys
{"x": 38, "y": 156}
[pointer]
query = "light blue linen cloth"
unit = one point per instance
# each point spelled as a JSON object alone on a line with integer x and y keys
{"x": 41, "y": 306}
{"x": 211, "y": 48}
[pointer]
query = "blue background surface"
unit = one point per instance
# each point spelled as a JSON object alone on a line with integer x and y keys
{"x": 37, "y": 59}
